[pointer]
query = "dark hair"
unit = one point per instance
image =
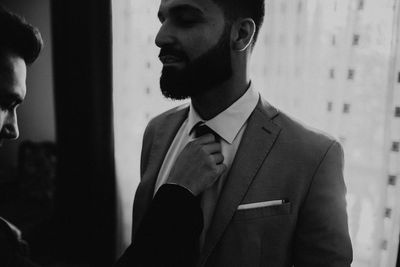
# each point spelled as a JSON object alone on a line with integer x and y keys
{"x": 234, "y": 9}
{"x": 19, "y": 37}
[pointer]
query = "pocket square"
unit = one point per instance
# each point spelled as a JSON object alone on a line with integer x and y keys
{"x": 261, "y": 204}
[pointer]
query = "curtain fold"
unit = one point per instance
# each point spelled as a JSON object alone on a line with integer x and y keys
{"x": 84, "y": 127}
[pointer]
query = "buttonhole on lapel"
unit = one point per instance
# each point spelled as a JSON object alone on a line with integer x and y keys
{"x": 268, "y": 131}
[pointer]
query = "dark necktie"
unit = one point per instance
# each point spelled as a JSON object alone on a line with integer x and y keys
{"x": 201, "y": 129}
{"x": 210, "y": 196}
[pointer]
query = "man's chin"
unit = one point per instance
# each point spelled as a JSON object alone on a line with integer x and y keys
{"x": 174, "y": 94}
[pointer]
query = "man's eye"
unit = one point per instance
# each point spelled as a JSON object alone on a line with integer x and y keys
{"x": 8, "y": 106}
{"x": 185, "y": 21}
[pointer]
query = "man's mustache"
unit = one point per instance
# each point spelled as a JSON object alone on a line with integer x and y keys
{"x": 168, "y": 51}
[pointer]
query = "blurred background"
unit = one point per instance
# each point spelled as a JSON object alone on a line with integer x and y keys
{"x": 70, "y": 179}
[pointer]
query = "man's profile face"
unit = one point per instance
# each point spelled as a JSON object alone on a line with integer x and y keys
{"x": 12, "y": 93}
{"x": 195, "y": 47}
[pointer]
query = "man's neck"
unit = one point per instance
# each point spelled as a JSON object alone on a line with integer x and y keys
{"x": 219, "y": 98}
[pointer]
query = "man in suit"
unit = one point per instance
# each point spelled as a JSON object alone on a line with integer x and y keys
{"x": 281, "y": 201}
{"x": 20, "y": 45}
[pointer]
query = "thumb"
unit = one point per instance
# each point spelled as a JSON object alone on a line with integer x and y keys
{"x": 221, "y": 169}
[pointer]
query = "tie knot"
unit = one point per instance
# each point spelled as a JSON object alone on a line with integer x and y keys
{"x": 201, "y": 129}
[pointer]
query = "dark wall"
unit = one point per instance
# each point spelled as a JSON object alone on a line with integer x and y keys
{"x": 83, "y": 93}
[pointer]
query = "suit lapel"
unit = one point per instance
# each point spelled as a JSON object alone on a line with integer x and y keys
{"x": 257, "y": 141}
{"x": 163, "y": 137}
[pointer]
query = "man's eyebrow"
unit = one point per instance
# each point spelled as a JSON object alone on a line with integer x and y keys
{"x": 182, "y": 9}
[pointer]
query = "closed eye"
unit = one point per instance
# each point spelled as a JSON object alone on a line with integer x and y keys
{"x": 10, "y": 102}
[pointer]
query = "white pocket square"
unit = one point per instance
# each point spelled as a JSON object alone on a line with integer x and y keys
{"x": 261, "y": 204}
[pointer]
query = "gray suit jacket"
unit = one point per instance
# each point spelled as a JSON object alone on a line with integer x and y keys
{"x": 278, "y": 158}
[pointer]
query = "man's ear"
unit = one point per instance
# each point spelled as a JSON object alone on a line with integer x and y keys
{"x": 243, "y": 34}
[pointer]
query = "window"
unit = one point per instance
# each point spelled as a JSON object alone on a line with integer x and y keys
{"x": 298, "y": 39}
{"x": 282, "y": 39}
{"x": 329, "y": 106}
{"x": 398, "y": 79}
{"x": 332, "y": 73}
{"x": 283, "y": 7}
{"x": 346, "y": 108}
{"x": 384, "y": 245}
{"x": 299, "y": 7}
{"x": 392, "y": 180}
{"x": 360, "y": 4}
{"x": 397, "y": 112}
{"x": 342, "y": 140}
{"x": 266, "y": 39}
{"x": 297, "y": 71}
{"x": 350, "y": 74}
{"x": 356, "y": 39}
{"x": 388, "y": 212}
{"x": 396, "y": 146}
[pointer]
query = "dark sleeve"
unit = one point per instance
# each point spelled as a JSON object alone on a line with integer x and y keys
{"x": 13, "y": 253}
{"x": 169, "y": 233}
{"x": 322, "y": 236}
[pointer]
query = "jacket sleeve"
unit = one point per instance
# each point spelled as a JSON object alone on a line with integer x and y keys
{"x": 14, "y": 252}
{"x": 322, "y": 236}
{"x": 168, "y": 234}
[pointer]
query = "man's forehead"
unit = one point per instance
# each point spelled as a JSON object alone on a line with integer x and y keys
{"x": 12, "y": 78}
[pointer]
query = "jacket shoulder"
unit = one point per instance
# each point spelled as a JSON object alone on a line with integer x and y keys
{"x": 299, "y": 138}
{"x": 293, "y": 129}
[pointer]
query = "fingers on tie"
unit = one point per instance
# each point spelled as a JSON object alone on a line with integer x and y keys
{"x": 213, "y": 148}
{"x": 206, "y": 139}
{"x": 218, "y": 158}
{"x": 221, "y": 168}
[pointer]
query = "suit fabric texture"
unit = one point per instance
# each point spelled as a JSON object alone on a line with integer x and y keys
{"x": 277, "y": 159}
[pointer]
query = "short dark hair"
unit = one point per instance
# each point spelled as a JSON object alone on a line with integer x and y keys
{"x": 19, "y": 37}
{"x": 234, "y": 9}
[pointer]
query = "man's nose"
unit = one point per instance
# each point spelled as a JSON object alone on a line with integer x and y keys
{"x": 10, "y": 128}
{"x": 164, "y": 36}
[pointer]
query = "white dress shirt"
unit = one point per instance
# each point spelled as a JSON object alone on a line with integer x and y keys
{"x": 229, "y": 125}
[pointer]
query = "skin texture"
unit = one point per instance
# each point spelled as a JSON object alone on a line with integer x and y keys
{"x": 190, "y": 26}
{"x": 193, "y": 27}
{"x": 12, "y": 93}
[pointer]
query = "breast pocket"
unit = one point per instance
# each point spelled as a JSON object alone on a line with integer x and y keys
{"x": 263, "y": 212}
{"x": 243, "y": 243}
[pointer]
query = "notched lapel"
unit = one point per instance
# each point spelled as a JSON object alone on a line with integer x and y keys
{"x": 257, "y": 142}
{"x": 165, "y": 132}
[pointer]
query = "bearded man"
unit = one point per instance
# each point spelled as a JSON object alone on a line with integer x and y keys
{"x": 281, "y": 201}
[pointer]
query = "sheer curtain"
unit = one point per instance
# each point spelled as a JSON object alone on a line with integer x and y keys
{"x": 332, "y": 64}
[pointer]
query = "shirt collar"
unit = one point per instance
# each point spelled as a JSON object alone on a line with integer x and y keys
{"x": 228, "y": 123}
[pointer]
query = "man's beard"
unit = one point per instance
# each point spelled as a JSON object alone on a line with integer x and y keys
{"x": 209, "y": 70}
